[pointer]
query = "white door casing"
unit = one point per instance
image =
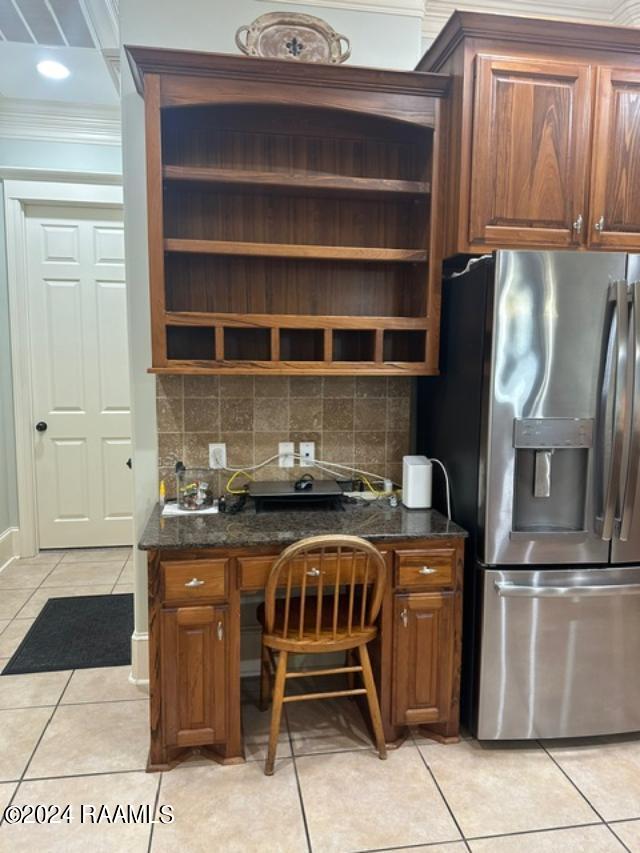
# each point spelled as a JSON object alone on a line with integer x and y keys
{"x": 77, "y": 329}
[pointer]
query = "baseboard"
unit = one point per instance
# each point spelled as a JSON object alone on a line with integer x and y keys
{"x": 139, "y": 674}
{"x": 8, "y": 546}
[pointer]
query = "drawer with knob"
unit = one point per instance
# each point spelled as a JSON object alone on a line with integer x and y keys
{"x": 194, "y": 580}
{"x": 254, "y": 571}
{"x": 425, "y": 569}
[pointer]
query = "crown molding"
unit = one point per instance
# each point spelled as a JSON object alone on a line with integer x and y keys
{"x": 412, "y": 8}
{"x": 103, "y": 18}
{"x": 438, "y": 12}
{"x": 59, "y": 122}
{"x": 626, "y": 12}
{"x": 111, "y": 57}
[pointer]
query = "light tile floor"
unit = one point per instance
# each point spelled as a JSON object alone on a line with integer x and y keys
{"x": 81, "y": 738}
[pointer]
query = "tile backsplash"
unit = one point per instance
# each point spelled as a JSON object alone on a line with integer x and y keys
{"x": 362, "y": 421}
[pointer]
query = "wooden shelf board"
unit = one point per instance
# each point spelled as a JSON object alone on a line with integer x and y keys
{"x": 259, "y": 181}
{"x": 293, "y": 368}
{"x": 293, "y": 321}
{"x": 289, "y": 250}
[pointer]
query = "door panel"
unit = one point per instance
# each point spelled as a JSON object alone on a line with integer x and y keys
{"x": 80, "y": 376}
{"x": 423, "y": 657}
{"x": 549, "y": 313}
{"x": 559, "y": 653}
{"x": 615, "y": 197}
{"x": 529, "y": 156}
{"x": 194, "y": 671}
{"x": 625, "y": 544}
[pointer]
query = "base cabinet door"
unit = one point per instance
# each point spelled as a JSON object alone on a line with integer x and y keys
{"x": 194, "y": 673}
{"x": 423, "y": 657}
{"x": 529, "y": 158}
{"x": 615, "y": 182}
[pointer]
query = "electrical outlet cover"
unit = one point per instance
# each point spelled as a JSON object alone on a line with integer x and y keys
{"x": 286, "y": 450}
{"x": 217, "y": 456}
{"x": 307, "y": 454}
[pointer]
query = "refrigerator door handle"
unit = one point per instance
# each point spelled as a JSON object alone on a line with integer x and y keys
{"x": 513, "y": 590}
{"x": 628, "y": 503}
{"x": 620, "y": 409}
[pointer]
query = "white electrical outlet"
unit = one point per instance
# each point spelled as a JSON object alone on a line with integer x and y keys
{"x": 286, "y": 449}
{"x": 307, "y": 454}
{"x": 217, "y": 456}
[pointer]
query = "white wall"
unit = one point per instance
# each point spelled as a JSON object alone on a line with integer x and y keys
{"x": 8, "y": 502}
{"x": 377, "y": 39}
{"x": 32, "y": 154}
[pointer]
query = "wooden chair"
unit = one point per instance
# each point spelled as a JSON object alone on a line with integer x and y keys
{"x": 340, "y": 582}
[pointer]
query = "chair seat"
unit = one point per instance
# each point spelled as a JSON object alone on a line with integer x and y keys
{"x": 343, "y": 639}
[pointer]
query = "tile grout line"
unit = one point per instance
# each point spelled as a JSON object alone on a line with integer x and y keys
{"x": 515, "y": 834}
{"x": 155, "y": 810}
{"x": 70, "y": 704}
{"x": 566, "y": 775}
{"x": 33, "y": 592}
{"x": 412, "y": 846}
{"x": 440, "y": 791}
{"x": 38, "y": 742}
{"x": 617, "y": 838}
{"x": 74, "y": 776}
{"x": 298, "y": 785}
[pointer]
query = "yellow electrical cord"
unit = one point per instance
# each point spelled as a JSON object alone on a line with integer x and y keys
{"x": 242, "y": 491}
{"x": 370, "y": 486}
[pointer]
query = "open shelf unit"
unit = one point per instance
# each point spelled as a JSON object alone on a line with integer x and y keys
{"x": 291, "y": 225}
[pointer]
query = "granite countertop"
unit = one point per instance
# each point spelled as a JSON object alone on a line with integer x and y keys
{"x": 249, "y": 528}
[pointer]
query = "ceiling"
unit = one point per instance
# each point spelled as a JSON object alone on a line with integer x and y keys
{"x": 82, "y": 34}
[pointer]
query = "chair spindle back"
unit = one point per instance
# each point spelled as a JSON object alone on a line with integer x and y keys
{"x": 320, "y": 567}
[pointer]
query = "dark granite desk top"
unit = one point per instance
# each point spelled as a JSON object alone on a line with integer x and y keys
{"x": 249, "y": 529}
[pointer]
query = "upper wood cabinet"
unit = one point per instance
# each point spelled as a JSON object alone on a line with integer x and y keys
{"x": 530, "y": 152}
{"x": 615, "y": 185}
{"x": 543, "y": 132}
{"x": 291, "y": 220}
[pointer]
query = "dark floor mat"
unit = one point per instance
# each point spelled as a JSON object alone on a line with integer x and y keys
{"x": 77, "y": 633}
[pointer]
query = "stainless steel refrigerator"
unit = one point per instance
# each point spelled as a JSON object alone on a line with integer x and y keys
{"x": 536, "y": 415}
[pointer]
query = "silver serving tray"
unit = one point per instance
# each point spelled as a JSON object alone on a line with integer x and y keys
{"x": 303, "y": 38}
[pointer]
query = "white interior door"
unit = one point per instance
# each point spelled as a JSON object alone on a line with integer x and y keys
{"x": 80, "y": 376}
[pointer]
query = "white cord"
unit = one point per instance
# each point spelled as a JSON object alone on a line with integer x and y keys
{"x": 446, "y": 480}
{"x": 317, "y": 463}
{"x": 246, "y": 467}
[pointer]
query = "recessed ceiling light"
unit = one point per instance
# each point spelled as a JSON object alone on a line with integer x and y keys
{"x": 54, "y": 70}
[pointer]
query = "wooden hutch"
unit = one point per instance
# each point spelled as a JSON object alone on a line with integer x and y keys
{"x": 291, "y": 224}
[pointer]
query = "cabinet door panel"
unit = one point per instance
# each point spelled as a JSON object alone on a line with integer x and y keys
{"x": 193, "y": 675}
{"x": 423, "y": 657}
{"x": 529, "y": 158}
{"x": 615, "y": 183}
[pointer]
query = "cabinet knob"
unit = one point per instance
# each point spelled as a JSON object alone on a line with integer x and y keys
{"x": 577, "y": 225}
{"x": 220, "y": 631}
{"x": 194, "y": 582}
{"x": 599, "y": 226}
{"x": 313, "y": 573}
{"x": 404, "y": 615}
{"x": 426, "y": 570}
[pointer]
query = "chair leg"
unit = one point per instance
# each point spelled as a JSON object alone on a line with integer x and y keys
{"x": 372, "y": 699}
{"x": 351, "y": 676}
{"x": 265, "y": 679}
{"x": 276, "y": 712}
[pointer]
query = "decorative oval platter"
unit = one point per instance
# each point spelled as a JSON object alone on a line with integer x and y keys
{"x": 305, "y": 38}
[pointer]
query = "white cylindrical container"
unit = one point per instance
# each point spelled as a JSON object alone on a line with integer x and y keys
{"x": 416, "y": 482}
